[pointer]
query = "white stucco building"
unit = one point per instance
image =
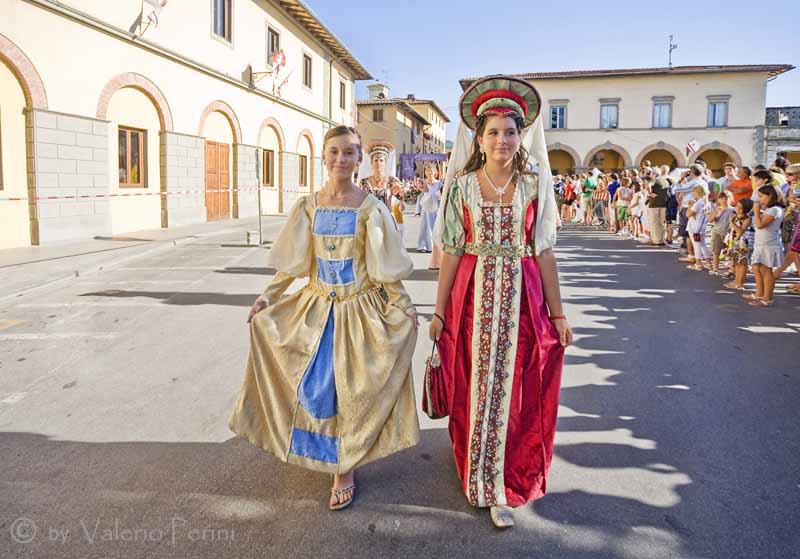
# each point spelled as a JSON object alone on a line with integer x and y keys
{"x": 110, "y": 123}
{"x": 613, "y": 119}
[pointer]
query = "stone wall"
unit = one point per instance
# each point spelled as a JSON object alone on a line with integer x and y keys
{"x": 67, "y": 159}
{"x": 781, "y": 139}
{"x": 774, "y": 115}
{"x": 246, "y": 180}
{"x": 182, "y": 169}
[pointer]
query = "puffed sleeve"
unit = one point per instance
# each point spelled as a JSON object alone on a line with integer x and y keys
{"x": 291, "y": 253}
{"x": 386, "y": 258}
{"x": 453, "y": 233}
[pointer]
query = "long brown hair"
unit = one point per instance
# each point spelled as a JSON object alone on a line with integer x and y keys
{"x": 476, "y": 160}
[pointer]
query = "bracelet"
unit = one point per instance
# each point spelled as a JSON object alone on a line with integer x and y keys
{"x": 558, "y": 317}
{"x": 437, "y": 315}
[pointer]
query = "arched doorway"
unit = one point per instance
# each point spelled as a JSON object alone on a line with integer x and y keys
{"x": 561, "y": 162}
{"x": 134, "y": 160}
{"x": 793, "y": 156}
{"x": 661, "y": 154}
{"x": 21, "y": 88}
{"x": 659, "y": 157}
{"x": 305, "y": 152}
{"x": 607, "y": 160}
{"x": 220, "y": 128}
{"x": 715, "y": 155}
{"x": 270, "y": 140}
{"x": 14, "y": 216}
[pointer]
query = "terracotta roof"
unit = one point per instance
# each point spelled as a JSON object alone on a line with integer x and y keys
{"x": 391, "y": 101}
{"x": 309, "y": 21}
{"x": 430, "y": 102}
{"x": 769, "y": 69}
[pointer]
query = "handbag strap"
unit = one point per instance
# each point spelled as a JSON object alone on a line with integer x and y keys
{"x": 433, "y": 349}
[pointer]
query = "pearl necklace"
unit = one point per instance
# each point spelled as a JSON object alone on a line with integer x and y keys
{"x": 499, "y": 191}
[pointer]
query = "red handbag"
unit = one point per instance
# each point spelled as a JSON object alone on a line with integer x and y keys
{"x": 434, "y": 395}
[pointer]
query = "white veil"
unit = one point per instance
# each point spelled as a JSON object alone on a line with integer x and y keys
{"x": 533, "y": 139}
{"x": 365, "y": 170}
{"x": 462, "y": 151}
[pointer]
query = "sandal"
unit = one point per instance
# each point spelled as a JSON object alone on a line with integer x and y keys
{"x": 750, "y": 297}
{"x": 344, "y": 497}
{"x": 693, "y": 267}
{"x": 761, "y": 303}
{"x": 793, "y": 289}
{"x": 502, "y": 516}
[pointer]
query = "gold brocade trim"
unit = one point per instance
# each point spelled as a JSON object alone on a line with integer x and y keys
{"x": 492, "y": 249}
{"x": 332, "y": 295}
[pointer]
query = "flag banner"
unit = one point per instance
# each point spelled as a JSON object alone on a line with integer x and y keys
{"x": 157, "y": 5}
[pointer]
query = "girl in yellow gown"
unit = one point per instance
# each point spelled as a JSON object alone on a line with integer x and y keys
{"x": 328, "y": 382}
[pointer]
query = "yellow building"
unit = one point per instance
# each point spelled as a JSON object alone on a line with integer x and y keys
{"x": 127, "y": 117}
{"x": 434, "y": 134}
{"x": 613, "y": 119}
{"x": 391, "y": 120}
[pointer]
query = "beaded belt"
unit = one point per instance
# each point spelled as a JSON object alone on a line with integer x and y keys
{"x": 331, "y": 295}
{"x": 493, "y": 249}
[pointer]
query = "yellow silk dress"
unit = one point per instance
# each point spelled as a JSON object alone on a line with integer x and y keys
{"x": 328, "y": 382}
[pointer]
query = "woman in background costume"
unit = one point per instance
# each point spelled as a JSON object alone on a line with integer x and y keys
{"x": 499, "y": 319}
{"x": 429, "y": 206}
{"x": 376, "y": 171}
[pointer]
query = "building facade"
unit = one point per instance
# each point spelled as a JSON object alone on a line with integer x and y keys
{"x": 782, "y": 133}
{"x": 129, "y": 117}
{"x": 392, "y": 120}
{"x": 434, "y": 134}
{"x": 615, "y": 119}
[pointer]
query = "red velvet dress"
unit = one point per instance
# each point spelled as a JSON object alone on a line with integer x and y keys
{"x": 501, "y": 356}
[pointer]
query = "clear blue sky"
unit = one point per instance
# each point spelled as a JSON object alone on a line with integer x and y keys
{"x": 425, "y": 47}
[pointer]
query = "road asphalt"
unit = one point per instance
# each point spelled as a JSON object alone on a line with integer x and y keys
{"x": 678, "y": 432}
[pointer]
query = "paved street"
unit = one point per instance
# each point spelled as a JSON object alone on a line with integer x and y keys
{"x": 678, "y": 434}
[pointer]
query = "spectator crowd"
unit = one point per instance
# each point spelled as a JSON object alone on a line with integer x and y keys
{"x": 743, "y": 223}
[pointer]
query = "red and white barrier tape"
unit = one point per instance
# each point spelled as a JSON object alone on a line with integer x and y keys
{"x": 172, "y": 193}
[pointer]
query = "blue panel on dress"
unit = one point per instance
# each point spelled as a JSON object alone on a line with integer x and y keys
{"x": 335, "y": 272}
{"x": 315, "y": 446}
{"x": 335, "y": 223}
{"x": 317, "y": 390}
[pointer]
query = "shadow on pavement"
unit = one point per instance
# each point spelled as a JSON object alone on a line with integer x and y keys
{"x": 678, "y": 426}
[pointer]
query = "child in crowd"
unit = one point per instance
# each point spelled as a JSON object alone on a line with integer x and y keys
{"x": 637, "y": 203}
{"x": 622, "y": 201}
{"x": 739, "y": 249}
{"x": 396, "y": 204}
{"x": 790, "y": 231}
{"x": 698, "y": 220}
{"x": 568, "y": 209}
{"x": 768, "y": 250}
{"x": 721, "y": 218}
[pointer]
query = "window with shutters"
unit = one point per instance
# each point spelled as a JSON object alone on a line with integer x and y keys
{"x": 303, "y": 171}
{"x": 609, "y": 116}
{"x": 132, "y": 156}
{"x": 273, "y": 42}
{"x": 221, "y": 19}
{"x": 268, "y": 167}
{"x": 307, "y": 71}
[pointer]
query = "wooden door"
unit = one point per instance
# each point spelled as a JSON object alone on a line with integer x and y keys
{"x": 224, "y": 200}
{"x": 217, "y": 181}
